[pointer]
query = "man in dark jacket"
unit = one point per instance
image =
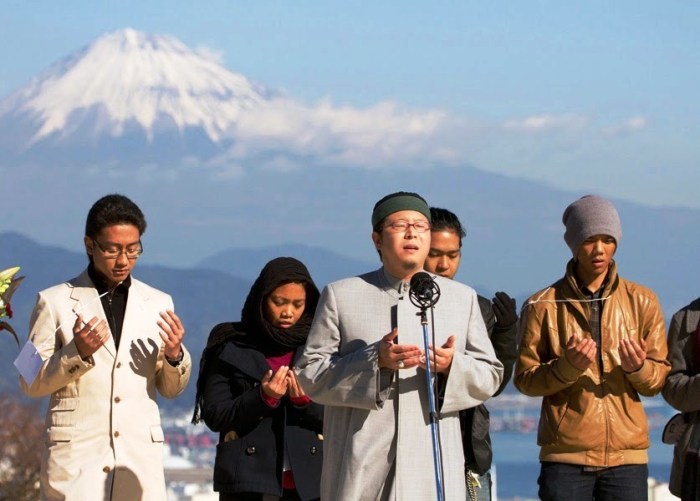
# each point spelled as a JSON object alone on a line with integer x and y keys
{"x": 443, "y": 259}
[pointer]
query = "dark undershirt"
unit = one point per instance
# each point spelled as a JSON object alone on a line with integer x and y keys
{"x": 596, "y": 309}
{"x": 113, "y": 303}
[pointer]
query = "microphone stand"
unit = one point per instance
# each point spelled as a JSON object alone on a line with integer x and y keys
{"x": 437, "y": 452}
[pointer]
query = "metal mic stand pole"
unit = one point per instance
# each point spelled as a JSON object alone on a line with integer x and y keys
{"x": 437, "y": 455}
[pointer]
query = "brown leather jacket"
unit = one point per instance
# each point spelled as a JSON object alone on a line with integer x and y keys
{"x": 589, "y": 418}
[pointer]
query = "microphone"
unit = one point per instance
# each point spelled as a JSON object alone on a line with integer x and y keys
{"x": 424, "y": 292}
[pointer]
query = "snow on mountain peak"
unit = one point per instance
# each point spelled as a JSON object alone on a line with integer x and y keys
{"x": 128, "y": 76}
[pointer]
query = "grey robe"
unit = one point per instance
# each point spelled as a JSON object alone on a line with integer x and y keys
{"x": 378, "y": 442}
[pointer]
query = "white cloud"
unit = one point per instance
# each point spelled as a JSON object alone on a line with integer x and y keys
{"x": 286, "y": 135}
{"x": 382, "y": 135}
{"x": 627, "y": 126}
{"x": 538, "y": 123}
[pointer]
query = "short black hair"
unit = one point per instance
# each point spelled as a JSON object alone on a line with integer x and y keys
{"x": 111, "y": 210}
{"x": 444, "y": 220}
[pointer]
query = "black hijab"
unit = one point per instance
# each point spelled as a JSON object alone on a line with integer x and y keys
{"x": 269, "y": 339}
{"x": 254, "y": 330}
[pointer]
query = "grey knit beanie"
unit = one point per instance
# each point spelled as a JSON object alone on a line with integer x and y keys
{"x": 588, "y": 216}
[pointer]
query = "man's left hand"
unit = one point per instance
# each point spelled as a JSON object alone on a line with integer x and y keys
{"x": 632, "y": 354}
{"x": 171, "y": 333}
{"x": 441, "y": 358}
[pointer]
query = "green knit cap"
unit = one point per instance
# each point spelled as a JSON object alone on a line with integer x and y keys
{"x": 401, "y": 200}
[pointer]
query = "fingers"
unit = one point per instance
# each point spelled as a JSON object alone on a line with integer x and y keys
{"x": 78, "y": 324}
{"x": 406, "y": 356}
{"x": 440, "y": 359}
{"x": 580, "y": 353}
{"x": 632, "y": 354}
{"x": 503, "y": 302}
{"x": 392, "y": 355}
{"x": 450, "y": 343}
{"x": 173, "y": 321}
{"x": 90, "y": 336}
{"x": 275, "y": 384}
{"x": 389, "y": 338}
{"x": 172, "y": 332}
{"x": 295, "y": 389}
{"x": 504, "y": 307}
{"x": 281, "y": 375}
{"x": 588, "y": 348}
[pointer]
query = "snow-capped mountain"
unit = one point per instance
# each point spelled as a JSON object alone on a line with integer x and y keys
{"x": 132, "y": 101}
{"x": 127, "y": 84}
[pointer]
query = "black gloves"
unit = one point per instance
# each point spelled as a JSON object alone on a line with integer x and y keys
{"x": 504, "y": 308}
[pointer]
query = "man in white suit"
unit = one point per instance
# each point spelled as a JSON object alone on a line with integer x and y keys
{"x": 364, "y": 360}
{"x": 107, "y": 342}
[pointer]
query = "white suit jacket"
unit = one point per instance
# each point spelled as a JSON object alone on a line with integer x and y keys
{"x": 103, "y": 434}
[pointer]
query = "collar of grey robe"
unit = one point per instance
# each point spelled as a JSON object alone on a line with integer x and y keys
{"x": 397, "y": 287}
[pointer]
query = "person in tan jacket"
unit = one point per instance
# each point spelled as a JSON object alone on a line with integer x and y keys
{"x": 108, "y": 344}
{"x": 590, "y": 344}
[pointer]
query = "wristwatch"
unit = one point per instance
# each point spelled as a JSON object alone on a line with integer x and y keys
{"x": 175, "y": 362}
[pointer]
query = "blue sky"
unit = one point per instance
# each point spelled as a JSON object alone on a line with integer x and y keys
{"x": 586, "y": 96}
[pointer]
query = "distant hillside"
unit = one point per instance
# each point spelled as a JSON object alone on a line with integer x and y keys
{"x": 325, "y": 266}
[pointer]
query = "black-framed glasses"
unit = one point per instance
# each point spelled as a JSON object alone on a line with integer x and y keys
{"x": 114, "y": 252}
{"x": 402, "y": 226}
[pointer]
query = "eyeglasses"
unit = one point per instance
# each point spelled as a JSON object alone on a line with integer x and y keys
{"x": 402, "y": 226}
{"x": 114, "y": 252}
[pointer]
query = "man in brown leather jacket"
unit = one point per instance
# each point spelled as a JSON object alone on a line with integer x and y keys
{"x": 590, "y": 344}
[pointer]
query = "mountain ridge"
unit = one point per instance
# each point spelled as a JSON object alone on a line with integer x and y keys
{"x": 150, "y": 80}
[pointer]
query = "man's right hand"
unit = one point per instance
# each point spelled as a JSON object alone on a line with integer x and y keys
{"x": 398, "y": 356}
{"x": 89, "y": 337}
{"x": 580, "y": 352}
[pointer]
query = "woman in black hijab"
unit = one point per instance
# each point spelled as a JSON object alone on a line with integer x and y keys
{"x": 270, "y": 441}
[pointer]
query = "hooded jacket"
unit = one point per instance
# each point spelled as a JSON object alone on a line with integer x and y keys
{"x": 592, "y": 417}
{"x": 257, "y": 441}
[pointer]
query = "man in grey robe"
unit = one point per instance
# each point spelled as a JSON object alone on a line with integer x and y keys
{"x": 364, "y": 360}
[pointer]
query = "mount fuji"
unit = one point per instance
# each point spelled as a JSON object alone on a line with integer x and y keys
{"x": 129, "y": 92}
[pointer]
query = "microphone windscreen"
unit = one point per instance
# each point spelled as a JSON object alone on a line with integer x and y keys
{"x": 422, "y": 285}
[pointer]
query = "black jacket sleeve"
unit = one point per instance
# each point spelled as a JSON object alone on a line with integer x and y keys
{"x": 232, "y": 400}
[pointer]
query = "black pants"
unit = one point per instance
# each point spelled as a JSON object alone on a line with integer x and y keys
{"x": 570, "y": 482}
{"x": 287, "y": 495}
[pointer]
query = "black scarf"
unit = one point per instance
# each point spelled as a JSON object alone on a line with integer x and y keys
{"x": 254, "y": 330}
